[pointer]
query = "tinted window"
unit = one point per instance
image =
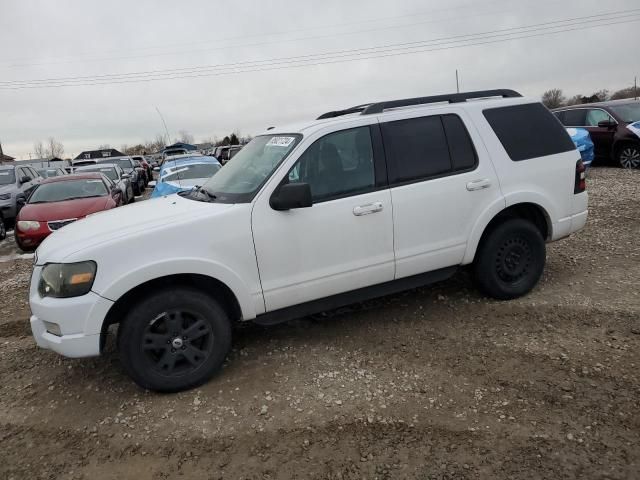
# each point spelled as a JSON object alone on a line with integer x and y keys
{"x": 417, "y": 148}
{"x": 528, "y": 131}
{"x": 338, "y": 164}
{"x": 574, "y": 118}
{"x": 463, "y": 155}
{"x": 24, "y": 172}
{"x": 595, "y": 116}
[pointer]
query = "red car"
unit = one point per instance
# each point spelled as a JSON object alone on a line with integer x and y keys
{"x": 58, "y": 201}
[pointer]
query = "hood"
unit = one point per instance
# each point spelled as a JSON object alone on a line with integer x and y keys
{"x": 77, "y": 208}
{"x": 141, "y": 221}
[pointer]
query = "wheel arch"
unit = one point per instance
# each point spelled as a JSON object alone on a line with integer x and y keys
{"x": 532, "y": 211}
{"x": 204, "y": 283}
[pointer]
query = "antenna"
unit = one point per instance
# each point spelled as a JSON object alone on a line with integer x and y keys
{"x": 165, "y": 125}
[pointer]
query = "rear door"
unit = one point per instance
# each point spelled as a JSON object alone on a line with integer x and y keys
{"x": 441, "y": 181}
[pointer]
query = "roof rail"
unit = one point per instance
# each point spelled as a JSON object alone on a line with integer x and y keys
{"x": 346, "y": 111}
{"x": 450, "y": 98}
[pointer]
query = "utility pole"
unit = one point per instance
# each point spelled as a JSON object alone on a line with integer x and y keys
{"x": 635, "y": 90}
{"x": 457, "y": 82}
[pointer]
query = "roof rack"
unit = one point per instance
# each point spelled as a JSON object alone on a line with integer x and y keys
{"x": 380, "y": 107}
{"x": 346, "y": 111}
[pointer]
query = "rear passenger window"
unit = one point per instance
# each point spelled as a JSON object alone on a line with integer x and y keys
{"x": 574, "y": 118}
{"x": 417, "y": 148}
{"x": 463, "y": 155}
{"x": 528, "y": 131}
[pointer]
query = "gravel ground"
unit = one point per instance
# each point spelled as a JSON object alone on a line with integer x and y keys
{"x": 435, "y": 383}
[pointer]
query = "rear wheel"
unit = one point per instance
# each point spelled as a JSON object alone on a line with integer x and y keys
{"x": 3, "y": 228}
{"x": 510, "y": 260}
{"x": 174, "y": 340}
{"x": 629, "y": 156}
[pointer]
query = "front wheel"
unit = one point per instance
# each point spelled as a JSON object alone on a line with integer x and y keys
{"x": 629, "y": 156}
{"x": 510, "y": 260}
{"x": 174, "y": 340}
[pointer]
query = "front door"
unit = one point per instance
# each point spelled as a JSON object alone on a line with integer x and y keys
{"x": 602, "y": 137}
{"x": 341, "y": 243}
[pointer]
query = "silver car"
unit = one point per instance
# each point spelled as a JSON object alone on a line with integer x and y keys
{"x": 16, "y": 184}
{"x": 114, "y": 173}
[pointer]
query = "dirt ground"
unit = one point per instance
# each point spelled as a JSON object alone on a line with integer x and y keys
{"x": 435, "y": 383}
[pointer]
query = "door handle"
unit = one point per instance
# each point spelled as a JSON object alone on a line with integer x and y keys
{"x": 367, "y": 209}
{"x": 478, "y": 184}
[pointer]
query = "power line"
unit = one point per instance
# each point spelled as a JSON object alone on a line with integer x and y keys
{"x": 244, "y": 37}
{"x": 340, "y": 53}
{"x": 393, "y": 51}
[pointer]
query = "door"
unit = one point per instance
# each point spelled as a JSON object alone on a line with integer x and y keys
{"x": 602, "y": 137}
{"x": 440, "y": 184}
{"x": 341, "y": 243}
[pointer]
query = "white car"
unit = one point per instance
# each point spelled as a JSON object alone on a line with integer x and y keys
{"x": 358, "y": 203}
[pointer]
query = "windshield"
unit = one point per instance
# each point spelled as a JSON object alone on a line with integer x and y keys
{"x": 629, "y": 112}
{"x": 190, "y": 172}
{"x": 239, "y": 180}
{"x": 7, "y": 177}
{"x": 108, "y": 172}
{"x": 53, "y": 172}
{"x": 68, "y": 190}
{"x": 124, "y": 163}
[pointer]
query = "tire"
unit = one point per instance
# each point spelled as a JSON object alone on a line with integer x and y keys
{"x": 3, "y": 229}
{"x": 628, "y": 155}
{"x": 132, "y": 197}
{"x": 136, "y": 190}
{"x": 184, "y": 362}
{"x": 510, "y": 260}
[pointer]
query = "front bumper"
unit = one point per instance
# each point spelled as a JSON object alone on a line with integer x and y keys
{"x": 79, "y": 319}
{"x": 8, "y": 208}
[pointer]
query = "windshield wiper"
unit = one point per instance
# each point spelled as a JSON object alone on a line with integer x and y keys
{"x": 209, "y": 195}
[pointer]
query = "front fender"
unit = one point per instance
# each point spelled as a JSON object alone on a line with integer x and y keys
{"x": 120, "y": 285}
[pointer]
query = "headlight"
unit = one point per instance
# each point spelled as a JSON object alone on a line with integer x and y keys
{"x": 5, "y": 196}
{"x": 26, "y": 225}
{"x": 62, "y": 280}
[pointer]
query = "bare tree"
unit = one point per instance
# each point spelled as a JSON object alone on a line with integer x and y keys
{"x": 553, "y": 98}
{"x": 38, "y": 149}
{"x": 54, "y": 148}
{"x": 185, "y": 137}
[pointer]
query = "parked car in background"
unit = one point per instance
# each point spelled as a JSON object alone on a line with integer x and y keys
{"x": 146, "y": 165}
{"x": 174, "y": 151}
{"x": 130, "y": 168}
{"x": 226, "y": 153}
{"x": 311, "y": 217}
{"x": 16, "y": 183}
{"x": 114, "y": 173}
{"x": 614, "y": 127}
{"x": 58, "y": 201}
{"x": 51, "y": 172}
{"x": 183, "y": 174}
{"x": 582, "y": 140}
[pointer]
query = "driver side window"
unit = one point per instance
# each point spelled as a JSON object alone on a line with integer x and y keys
{"x": 337, "y": 165}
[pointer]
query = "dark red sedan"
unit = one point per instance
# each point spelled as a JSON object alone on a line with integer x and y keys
{"x": 58, "y": 201}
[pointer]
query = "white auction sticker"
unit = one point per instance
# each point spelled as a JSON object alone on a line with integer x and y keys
{"x": 281, "y": 141}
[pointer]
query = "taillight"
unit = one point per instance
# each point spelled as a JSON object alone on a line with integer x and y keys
{"x": 581, "y": 175}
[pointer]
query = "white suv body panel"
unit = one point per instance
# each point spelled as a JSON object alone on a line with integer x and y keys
{"x": 271, "y": 260}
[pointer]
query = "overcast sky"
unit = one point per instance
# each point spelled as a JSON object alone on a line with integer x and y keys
{"x": 44, "y": 39}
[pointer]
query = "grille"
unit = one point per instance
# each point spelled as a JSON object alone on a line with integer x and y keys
{"x": 58, "y": 224}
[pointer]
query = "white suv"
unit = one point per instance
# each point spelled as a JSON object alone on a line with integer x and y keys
{"x": 359, "y": 203}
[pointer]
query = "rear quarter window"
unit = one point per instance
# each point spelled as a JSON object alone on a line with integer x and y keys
{"x": 528, "y": 131}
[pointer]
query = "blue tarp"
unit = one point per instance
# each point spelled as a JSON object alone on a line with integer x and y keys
{"x": 583, "y": 143}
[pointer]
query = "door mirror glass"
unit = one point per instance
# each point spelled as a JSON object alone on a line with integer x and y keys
{"x": 291, "y": 195}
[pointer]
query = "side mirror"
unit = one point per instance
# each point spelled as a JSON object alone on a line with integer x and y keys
{"x": 25, "y": 179}
{"x": 151, "y": 184}
{"x": 291, "y": 195}
{"x": 126, "y": 175}
{"x": 607, "y": 124}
